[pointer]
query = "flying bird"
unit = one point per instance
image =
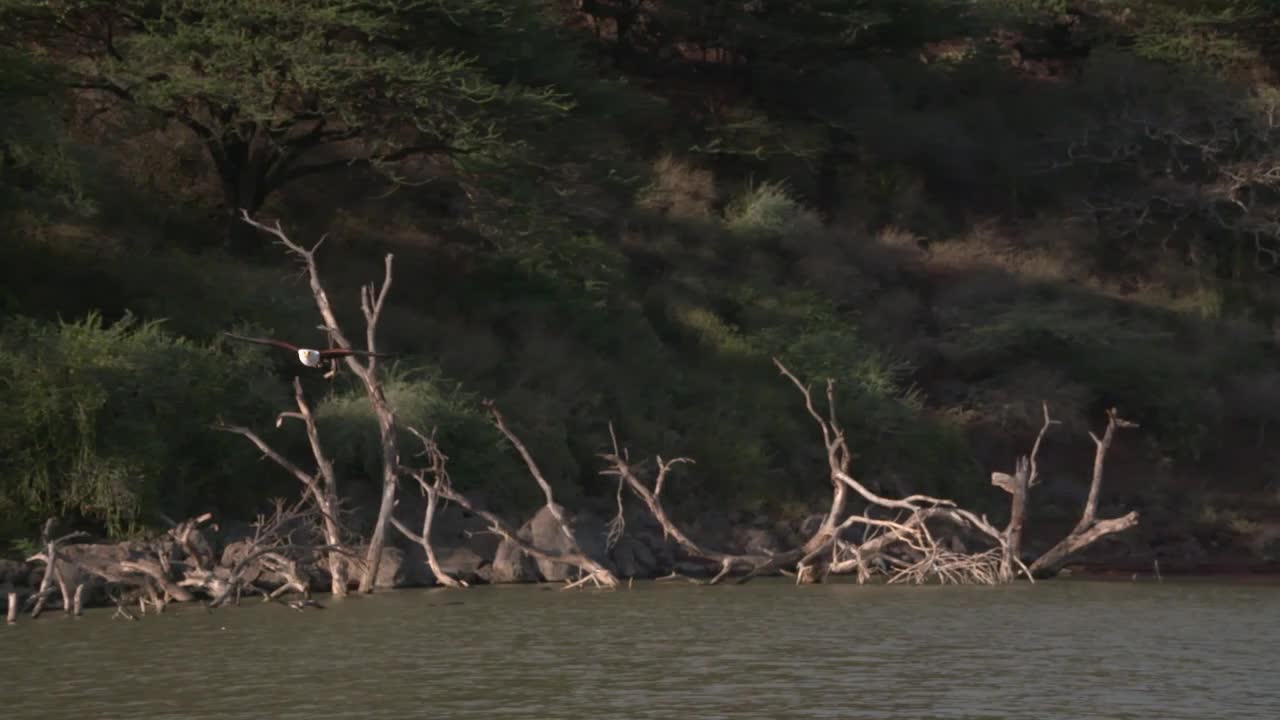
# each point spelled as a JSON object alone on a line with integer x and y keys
{"x": 307, "y": 356}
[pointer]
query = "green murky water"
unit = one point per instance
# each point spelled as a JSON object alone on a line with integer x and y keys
{"x": 1066, "y": 649}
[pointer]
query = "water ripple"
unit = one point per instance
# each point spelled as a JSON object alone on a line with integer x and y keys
{"x": 767, "y": 650}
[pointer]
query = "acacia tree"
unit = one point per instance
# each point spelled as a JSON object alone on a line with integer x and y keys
{"x": 277, "y": 91}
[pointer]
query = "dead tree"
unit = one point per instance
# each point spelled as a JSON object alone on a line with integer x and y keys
{"x": 590, "y": 570}
{"x": 1090, "y": 529}
{"x": 904, "y": 545}
{"x": 55, "y": 570}
{"x": 908, "y": 533}
{"x": 372, "y": 301}
{"x": 321, "y": 486}
{"x": 273, "y": 547}
{"x": 431, "y": 480}
{"x": 620, "y": 467}
{"x": 1026, "y": 476}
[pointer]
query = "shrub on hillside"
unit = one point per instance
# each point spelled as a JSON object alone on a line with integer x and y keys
{"x": 111, "y": 422}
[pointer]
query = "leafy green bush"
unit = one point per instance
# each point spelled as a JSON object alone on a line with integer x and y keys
{"x": 112, "y": 422}
{"x": 480, "y": 459}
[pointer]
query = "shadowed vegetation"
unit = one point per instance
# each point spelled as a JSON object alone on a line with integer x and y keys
{"x": 617, "y": 210}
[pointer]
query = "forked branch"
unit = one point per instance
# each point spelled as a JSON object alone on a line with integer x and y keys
{"x": 1089, "y": 529}
{"x": 372, "y": 301}
{"x": 321, "y": 485}
{"x": 597, "y": 572}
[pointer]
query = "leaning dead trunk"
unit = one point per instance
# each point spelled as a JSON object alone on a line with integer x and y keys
{"x": 1089, "y": 529}
{"x": 372, "y": 301}
{"x": 320, "y": 486}
{"x": 590, "y": 570}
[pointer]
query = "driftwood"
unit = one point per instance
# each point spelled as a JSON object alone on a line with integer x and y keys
{"x": 900, "y": 537}
{"x": 590, "y": 571}
{"x": 273, "y": 547}
{"x": 431, "y": 488}
{"x": 1026, "y": 476}
{"x": 55, "y": 570}
{"x": 372, "y": 301}
{"x": 1090, "y": 529}
{"x": 621, "y": 468}
{"x": 320, "y": 486}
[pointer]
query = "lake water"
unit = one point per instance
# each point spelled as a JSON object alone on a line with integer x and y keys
{"x": 1062, "y": 649}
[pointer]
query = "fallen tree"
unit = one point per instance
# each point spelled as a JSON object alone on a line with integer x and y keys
{"x": 904, "y": 546}
{"x": 861, "y": 532}
{"x": 180, "y": 565}
{"x": 320, "y": 486}
{"x": 434, "y": 481}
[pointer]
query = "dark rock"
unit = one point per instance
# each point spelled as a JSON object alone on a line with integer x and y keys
{"x": 395, "y": 572}
{"x": 463, "y": 562}
{"x": 511, "y": 565}
{"x": 647, "y": 532}
{"x": 753, "y": 540}
{"x": 695, "y": 569}
{"x": 634, "y": 559}
{"x": 455, "y": 527}
{"x": 545, "y": 534}
{"x": 14, "y": 573}
{"x": 712, "y": 529}
{"x": 788, "y": 533}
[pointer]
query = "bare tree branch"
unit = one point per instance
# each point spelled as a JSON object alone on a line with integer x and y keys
{"x": 322, "y": 485}
{"x": 1089, "y": 529}
{"x": 372, "y": 304}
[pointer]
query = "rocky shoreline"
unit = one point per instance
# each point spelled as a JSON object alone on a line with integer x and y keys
{"x": 468, "y": 551}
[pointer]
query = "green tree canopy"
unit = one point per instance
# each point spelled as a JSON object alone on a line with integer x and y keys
{"x": 34, "y": 168}
{"x": 281, "y": 89}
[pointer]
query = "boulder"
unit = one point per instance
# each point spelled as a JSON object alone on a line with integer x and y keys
{"x": 16, "y": 574}
{"x": 396, "y": 571}
{"x": 712, "y": 529}
{"x": 460, "y": 562}
{"x": 545, "y": 534}
{"x": 646, "y": 531}
{"x": 511, "y": 565}
{"x": 633, "y": 559}
{"x": 455, "y": 527}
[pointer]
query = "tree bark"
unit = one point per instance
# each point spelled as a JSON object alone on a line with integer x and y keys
{"x": 1089, "y": 529}
{"x": 372, "y": 301}
{"x": 439, "y": 480}
{"x": 390, "y": 459}
{"x": 321, "y": 486}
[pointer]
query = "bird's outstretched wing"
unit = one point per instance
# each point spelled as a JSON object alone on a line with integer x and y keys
{"x": 263, "y": 341}
{"x": 335, "y": 353}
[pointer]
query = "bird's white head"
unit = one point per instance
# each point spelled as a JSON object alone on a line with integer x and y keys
{"x": 310, "y": 358}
